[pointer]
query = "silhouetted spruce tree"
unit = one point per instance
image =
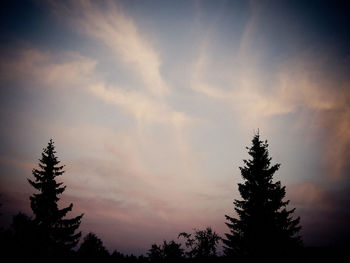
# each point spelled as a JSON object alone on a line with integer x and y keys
{"x": 264, "y": 227}
{"x": 57, "y": 233}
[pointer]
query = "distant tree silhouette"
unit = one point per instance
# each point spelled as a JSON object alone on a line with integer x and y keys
{"x": 24, "y": 239}
{"x": 168, "y": 252}
{"x": 172, "y": 251}
{"x": 117, "y": 257}
{"x": 58, "y": 234}
{"x": 142, "y": 259}
{"x": 201, "y": 244}
{"x": 92, "y": 249}
{"x": 155, "y": 253}
{"x": 264, "y": 227}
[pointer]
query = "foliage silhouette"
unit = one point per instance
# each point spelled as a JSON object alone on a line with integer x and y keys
{"x": 155, "y": 253}
{"x": 264, "y": 227}
{"x": 24, "y": 236}
{"x": 172, "y": 251}
{"x": 92, "y": 249}
{"x": 55, "y": 231}
{"x": 19, "y": 237}
{"x": 168, "y": 252}
{"x": 117, "y": 257}
{"x": 201, "y": 244}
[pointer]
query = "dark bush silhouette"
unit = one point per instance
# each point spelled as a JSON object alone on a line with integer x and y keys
{"x": 56, "y": 233}
{"x": 168, "y": 252}
{"x": 92, "y": 250}
{"x": 19, "y": 237}
{"x": 116, "y": 257}
{"x": 172, "y": 251}
{"x": 202, "y": 244}
{"x": 155, "y": 254}
{"x": 24, "y": 237}
{"x": 264, "y": 227}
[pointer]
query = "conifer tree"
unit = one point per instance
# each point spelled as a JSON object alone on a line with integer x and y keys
{"x": 264, "y": 227}
{"x": 57, "y": 233}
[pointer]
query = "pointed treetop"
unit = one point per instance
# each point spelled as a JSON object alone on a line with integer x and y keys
{"x": 44, "y": 204}
{"x": 262, "y": 219}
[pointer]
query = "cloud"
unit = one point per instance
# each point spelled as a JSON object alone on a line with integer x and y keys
{"x": 120, "y": 164}
{"x": 311, "y": 85}
{"x": 242, "y": 89}
{"x": 70, "y": 70}
{"x": 64, "y": 71}
{"x": 39, "y": 68}
{"x": 117, "y": 31}
{"x": 140, "y": 105}
{"x": 309, "y": 194}
{"x": 323, "y": 213}
{"x": 323, "y": 94}
{"x": 108, "y": 24}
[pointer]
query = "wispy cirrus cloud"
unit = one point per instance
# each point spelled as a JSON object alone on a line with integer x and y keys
{"x": 140, "y": 105}
{"x": 68, "y": 70}
{"x": 320, "y": 207}
{"x": 109, "y": 25}
{"x": 64, "y": 70}
{"x": 310, "y": 85}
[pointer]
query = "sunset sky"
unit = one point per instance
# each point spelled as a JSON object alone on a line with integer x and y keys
{"x": 152, "y": 103}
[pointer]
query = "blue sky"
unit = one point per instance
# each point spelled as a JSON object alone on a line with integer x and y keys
{"x": 151, "y": 105}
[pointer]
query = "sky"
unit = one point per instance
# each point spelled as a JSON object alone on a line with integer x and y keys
{"x": 152, "y": 103}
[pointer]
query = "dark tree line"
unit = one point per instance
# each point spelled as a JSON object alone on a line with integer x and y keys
{"x": 263, "y": 227}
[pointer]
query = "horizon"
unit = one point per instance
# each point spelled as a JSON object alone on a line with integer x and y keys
{"x": 151, "y": 105}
